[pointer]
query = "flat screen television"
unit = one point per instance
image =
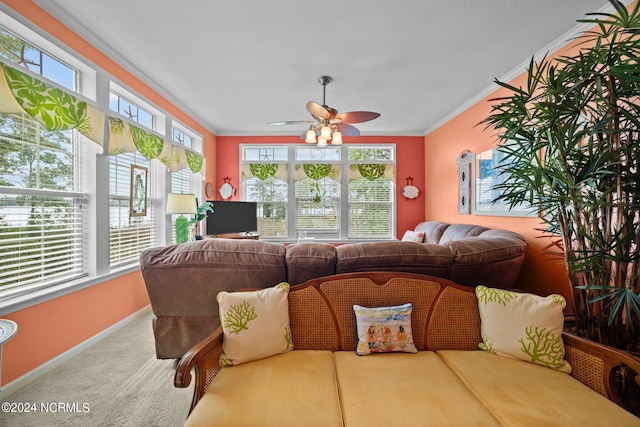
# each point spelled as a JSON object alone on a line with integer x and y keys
{"x": 232, "y": 217}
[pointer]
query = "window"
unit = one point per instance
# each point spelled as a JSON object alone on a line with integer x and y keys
{"x": 184, "y": 181}
{"x": 317, "y": 191}
{"x": 43, "y": 186}
{"x": 133, "y": 112}
{"x": 182, "y": 137}
{"x": 55, "y": 204}
{"x": 337, "y": 193}
{"x": 265, "y": 180}
{"x": 43, "y": 209}
{"x": 371, "y": 192}
{"x": 130, "y": 234}
{"x": 22, "y": 53}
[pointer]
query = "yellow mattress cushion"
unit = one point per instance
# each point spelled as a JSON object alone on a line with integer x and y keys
{"x": 402, "y": 389}
{"x": 296, "y": 388}
{"x": 520, "y": 393}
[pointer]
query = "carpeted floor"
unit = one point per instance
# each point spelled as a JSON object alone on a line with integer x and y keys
{"x": 117, "y": 382}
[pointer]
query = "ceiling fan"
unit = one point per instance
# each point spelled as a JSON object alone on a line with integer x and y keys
{"x": 329, "y": 126}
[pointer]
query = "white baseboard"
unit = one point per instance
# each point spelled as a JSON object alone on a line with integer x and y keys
{"x": 31, "y": 376}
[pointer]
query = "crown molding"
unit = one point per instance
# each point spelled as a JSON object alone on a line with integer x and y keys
{"x": 61, "y": 15}
{"x": 552, "y": 47}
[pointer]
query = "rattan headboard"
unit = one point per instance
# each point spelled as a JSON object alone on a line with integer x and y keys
{"x": 445, "y": 314}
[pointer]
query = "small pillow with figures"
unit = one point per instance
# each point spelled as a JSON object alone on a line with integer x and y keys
{"x": 384, "y": 329}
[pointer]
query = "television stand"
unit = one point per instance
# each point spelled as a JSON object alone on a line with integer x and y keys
{"x": 254, "y": 236}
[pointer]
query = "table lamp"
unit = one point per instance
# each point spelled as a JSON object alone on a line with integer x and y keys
{"x": 181, "y": 204}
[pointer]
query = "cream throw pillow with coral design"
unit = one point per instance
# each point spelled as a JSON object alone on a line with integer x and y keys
{"x": 255, "y": 324}
{"x": 523, "y": 326}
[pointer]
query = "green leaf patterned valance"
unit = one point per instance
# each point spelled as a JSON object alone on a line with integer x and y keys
{"x": 128, "y": 138}
{"x": 372, "y": 171}
{"x": 148, "y": 144}
{"x": 54, "y": 108}
{"x": 317, "y": 171}
{"x": 264, "y": 171}
{"x": 57, "y": 109}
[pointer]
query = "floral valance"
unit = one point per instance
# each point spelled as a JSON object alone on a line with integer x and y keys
{"x": 57, "y": 109}
{"x": 264, "y": 171}
{"x": 54, "y": 108}
{"x": 317, "y": 171}
{"x": 372, "y": 171}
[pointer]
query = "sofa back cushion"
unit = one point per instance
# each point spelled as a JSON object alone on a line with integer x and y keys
{"x": 461, "y": 231}
{"x": 307, "y": 261}
{"x": 445, "y": 315}
{"x": 394, "y": 255}
{"x": 177, "y": 274}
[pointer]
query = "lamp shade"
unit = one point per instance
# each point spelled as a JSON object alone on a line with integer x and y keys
{"x": 181, "y": 203}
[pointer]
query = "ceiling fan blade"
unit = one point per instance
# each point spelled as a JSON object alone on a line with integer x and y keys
{"x": 290, "y": 122}
{"x": 317, "y": 110}
{"x": 348, "y": 130}
{"x": 357, "y": 116}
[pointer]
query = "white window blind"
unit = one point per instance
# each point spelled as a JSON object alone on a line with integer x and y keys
{"x": 43, "y": 215}
{"x": 370, "y": 209}
{"x": 128, "y": 235}
{"x": 271, "y": 195}
{"x": 318, "y": 207}
{"x": 41, "y": 239}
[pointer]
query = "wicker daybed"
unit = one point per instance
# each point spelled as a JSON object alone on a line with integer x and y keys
{"x": 449, "y": 381}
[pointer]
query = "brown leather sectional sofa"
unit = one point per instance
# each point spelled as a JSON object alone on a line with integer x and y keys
{"x": 183, "y": 280}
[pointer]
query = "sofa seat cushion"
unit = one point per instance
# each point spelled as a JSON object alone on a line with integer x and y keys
{"x": 396, "y": 389}
{"x": 297, "y": 388}
{"x": 519, "y": 393}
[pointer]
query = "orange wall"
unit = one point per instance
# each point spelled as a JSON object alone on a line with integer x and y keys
{"x": 409, "y": 162}
{"x": 542, "y": 272}
{"x": 51, "y": 328}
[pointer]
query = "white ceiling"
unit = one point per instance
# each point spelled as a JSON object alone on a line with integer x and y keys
{"x": 236, "y": 65}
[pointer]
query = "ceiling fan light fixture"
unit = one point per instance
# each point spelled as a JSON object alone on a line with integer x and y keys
{"x": 328, "y": 126}
{"x": 310, "y": 137}
{"x": 337, "y": 138}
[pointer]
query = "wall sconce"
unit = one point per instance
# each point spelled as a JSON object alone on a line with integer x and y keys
{"x": 181, "y": 204}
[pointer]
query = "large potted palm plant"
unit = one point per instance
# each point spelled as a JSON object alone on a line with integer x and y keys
{"x": 570, "y": 139}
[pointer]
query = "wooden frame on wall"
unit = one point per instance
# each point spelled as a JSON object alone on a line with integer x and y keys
{"x": 465, "y": 169}
{"x": 138, "y": 195}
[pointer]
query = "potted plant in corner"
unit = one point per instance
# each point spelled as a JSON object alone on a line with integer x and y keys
{"x": 571, "y": 145}
{"x": 200, "y": 215}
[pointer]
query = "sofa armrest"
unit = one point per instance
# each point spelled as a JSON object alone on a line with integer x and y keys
{"x": 204, "y": 360}
{"x": 597, "y": 365}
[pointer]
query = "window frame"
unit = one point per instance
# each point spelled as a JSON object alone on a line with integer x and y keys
{"x": 95, "y": 85}
{"x": 291, "y": 203}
